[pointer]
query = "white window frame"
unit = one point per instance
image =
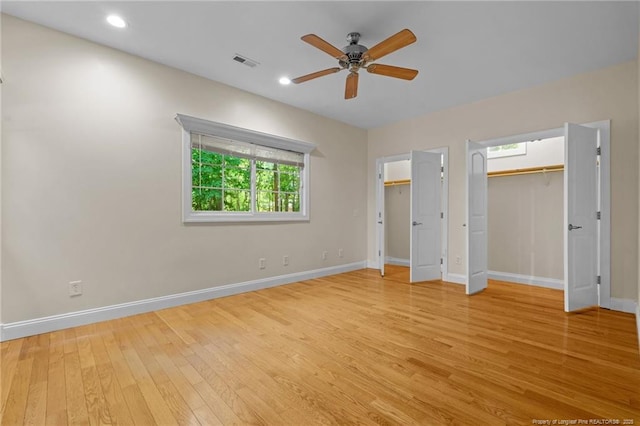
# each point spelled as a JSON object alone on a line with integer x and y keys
{"x": 225, "y": 131}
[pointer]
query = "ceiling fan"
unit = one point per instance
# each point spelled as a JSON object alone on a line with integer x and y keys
{"x": 356, "y": 56}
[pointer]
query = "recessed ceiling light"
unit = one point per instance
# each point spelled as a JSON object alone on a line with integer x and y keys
{"x": 116, "y": 21}
{"x": 284, "y": 81}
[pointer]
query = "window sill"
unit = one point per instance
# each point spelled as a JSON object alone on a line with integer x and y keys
{"x": 207, "y": 217}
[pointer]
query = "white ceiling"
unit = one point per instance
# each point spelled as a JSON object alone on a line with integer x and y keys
{"x": 466, "y": 51}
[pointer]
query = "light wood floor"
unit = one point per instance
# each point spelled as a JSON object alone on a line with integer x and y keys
{"x": 352, "y": 348}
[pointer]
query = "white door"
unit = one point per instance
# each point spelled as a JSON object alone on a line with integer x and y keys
{"x": 476, "y": 218}
{"x": 380, "y": 216}
{"x": 580, "y": 217}
{"x": 426, "y": 206}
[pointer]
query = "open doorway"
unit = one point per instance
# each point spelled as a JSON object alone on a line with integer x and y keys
{"x": 586, "y": 211}
{"x": 397, "y": 212}
{"x": 410, "y": 231}
{"x": 525, "y": 212}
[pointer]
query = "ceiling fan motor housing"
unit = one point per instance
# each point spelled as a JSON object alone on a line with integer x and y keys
{"x": 353, "y": 51}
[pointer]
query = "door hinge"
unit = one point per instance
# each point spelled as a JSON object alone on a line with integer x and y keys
{"x": 379, "y": 175}
{"x": 598, "y": 279}
{"x": 441, "y": 261}
{"x": 441, "y": 215}
{"x": 598, "y": 215}
{"x": 442, "y": 169}
{"x": 379, "y": 253}
{"x": 598, "y": 151}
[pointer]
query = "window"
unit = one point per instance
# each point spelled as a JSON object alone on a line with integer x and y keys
{"x": 235, "y": 175}
{"x": 508, "y": 150}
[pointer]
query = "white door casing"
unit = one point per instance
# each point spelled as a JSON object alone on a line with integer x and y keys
{"x": 580, "y": 218}
{"x": 476, "y": 218}
{"x": 380, "y": 215}
{"x": 425, "y": 221}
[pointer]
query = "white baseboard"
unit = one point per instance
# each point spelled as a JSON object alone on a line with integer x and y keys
{"x": 455, "y": 278}
{"x": 527, "y": 279}
{"x": 35, "y": 326}
{"x": 397, "y": 261}
{"x": 623, "y": 305}
{"x": 372, "y": 264}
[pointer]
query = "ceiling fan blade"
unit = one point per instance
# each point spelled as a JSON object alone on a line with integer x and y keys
{"x": 393, "y": 43}
{"x": 326, "y": 47}
{"x": 315, "y": 75}
{"x": 351, "y": 89}
{"x": 391, "y": 71}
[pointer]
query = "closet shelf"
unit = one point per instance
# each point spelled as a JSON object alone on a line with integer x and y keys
{"x": 527, "y": 171}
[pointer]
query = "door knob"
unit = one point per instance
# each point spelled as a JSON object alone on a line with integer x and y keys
{"x": 416, "y": 223}
{"x": 571, "y": 227}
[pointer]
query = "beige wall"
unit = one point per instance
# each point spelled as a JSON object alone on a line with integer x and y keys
{"x": 397, "y": 213}
{"x": 525, "y": 225}
{"x": 91, "y": 180}
{"x": 609, "y": 93}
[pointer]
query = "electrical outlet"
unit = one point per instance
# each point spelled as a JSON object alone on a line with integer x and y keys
{"x": 285, "y": 260}
{"x": 340, "y": 253}
{"x": 262, "y": 263}
{"x": 75, "y": 288}
{"x": 324, "y": 255}
{"x": 458, "y": 260}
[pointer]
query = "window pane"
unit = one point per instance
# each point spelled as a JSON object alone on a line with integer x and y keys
{"x": 289, "y": 182}
{"x": 206, "y": 199}
{"x": 230, "y": 161}
{"x": 265, "y": 201}
{"x": 237, "y": 178}
{"x": 195, "y": 174}
{"x": 289, "y": 202}
{"x": 265, "y": 165}
{"x": 237, "y": 201}
{"x": 264, "y": 180}
{"x": 289, "y": 169}
{"x": 208, "y": 157}
{"x": 210, "y": 176}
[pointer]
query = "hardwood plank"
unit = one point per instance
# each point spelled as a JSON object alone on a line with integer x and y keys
{"x": 10, "y": 352}
{"x": 353, "y": 348}
{"x": 56, "y": 389}
{"x": 19, "y": 393}
{"x": 114, "y": 393}
{"x": 140, "y": 412}
{"x": 76, "y": 405}
{"x": 35, "y": 413}
{"x": 97, "y": 407}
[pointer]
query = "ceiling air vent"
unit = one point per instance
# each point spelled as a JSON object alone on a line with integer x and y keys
{"x": 246, "y": 61}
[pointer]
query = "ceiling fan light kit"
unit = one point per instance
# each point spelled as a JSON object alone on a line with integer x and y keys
{"x": 355, "y": 56}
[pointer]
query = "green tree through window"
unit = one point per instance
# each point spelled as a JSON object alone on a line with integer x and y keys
{"x": 222, "y": 182}
{"x": 278, "y": 187}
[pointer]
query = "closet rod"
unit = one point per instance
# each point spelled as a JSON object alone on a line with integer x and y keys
{"x": 397, "y": 182}
{"x": 527, "y": 171}
{"x": 514, "y": 172}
